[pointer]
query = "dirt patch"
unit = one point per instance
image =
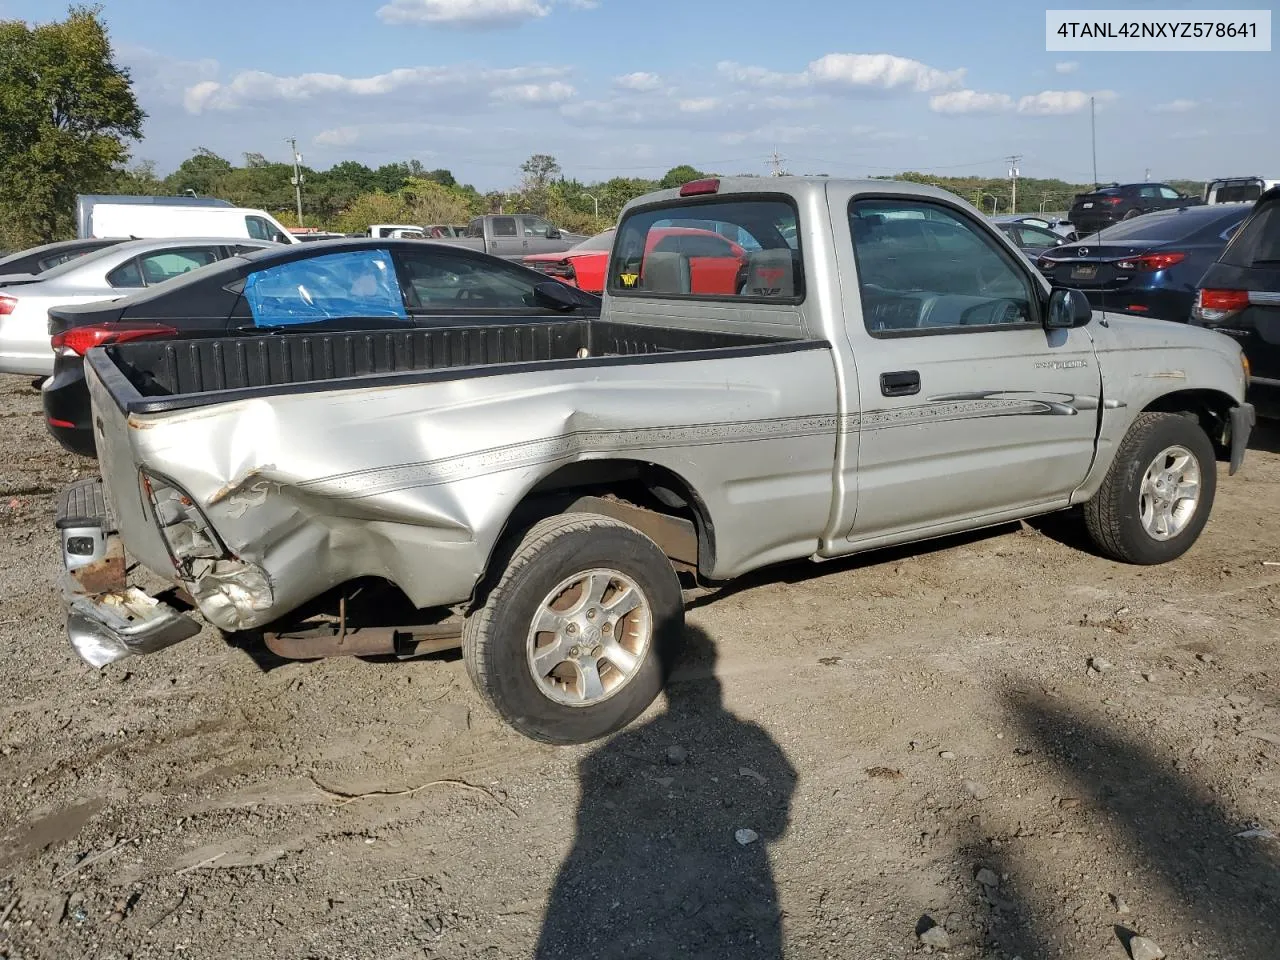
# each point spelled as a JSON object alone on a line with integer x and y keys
{"x": 1000, "y": 742}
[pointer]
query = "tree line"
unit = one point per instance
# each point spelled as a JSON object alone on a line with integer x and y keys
{"x": 68, "y": 115}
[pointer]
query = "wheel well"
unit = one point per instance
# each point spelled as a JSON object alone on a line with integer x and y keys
{"x": 631, "y": 483}
{"x": 1211, "y": 409}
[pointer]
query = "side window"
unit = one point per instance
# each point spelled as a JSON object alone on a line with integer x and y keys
{"x": 1149, "y": 192}
{"x": 1035, "y": 237}
{"x": 439, "y": 281}
{"x": 259, "y": 229}
{"x": 475, "y": 229}
{"x": 536, "y": 227}
{"x": 353, "y": 284}
{"x": 940, "y": 273}
{"x": 1257, "y": 240}
{"x": 126, "y": 276}
{"x": 724, "y": 249}
{"x": 1169, "y": 193}
{"x": 693, "y": 244}
{"x": 504, "y": 227}
{"x": 159, "y": 267}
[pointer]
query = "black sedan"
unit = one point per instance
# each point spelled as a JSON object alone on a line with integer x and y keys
{"x": 1150, "y": 265}
{"x": 49, "y": 255}
{"x": 335, "y": 284}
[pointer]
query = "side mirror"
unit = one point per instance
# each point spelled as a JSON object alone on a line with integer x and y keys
{"x": 554, "y": 295}
{"x": 553, "y": 233}
{"x": 1067, "y": 309}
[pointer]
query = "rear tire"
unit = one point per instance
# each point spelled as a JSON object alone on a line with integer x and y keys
{"x": 1156, "y": 498}
{"x": 571, "y": 642}
{"x": 1131, "y": 214}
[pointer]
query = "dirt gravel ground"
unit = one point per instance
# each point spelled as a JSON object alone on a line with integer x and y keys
{"x": 850, "y": 754}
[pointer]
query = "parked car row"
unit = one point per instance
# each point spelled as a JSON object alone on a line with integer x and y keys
{"x": 113, "y": 271}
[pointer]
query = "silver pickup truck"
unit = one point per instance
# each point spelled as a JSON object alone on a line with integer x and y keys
{"x": 513, "y": 236}
{"x": 874, "y": 364}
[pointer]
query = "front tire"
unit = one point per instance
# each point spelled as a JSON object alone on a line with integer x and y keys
{"x": 571, "y": 643}
{"x": 1156, "y": 498}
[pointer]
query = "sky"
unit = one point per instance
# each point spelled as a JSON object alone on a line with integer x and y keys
{"x": 614, "y": 88}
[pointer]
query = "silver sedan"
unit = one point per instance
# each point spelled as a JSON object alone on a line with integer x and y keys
{"x": 117, "y": 271}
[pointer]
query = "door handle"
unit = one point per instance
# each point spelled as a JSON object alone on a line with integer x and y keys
{"x": 900, "y": 383}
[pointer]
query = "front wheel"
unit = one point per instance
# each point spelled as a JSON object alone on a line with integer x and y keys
{"x": 571, "y": 643}
{"x": 1157, "y": 495}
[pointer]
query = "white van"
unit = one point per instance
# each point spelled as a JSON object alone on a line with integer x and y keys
{"x": 146, "y": 218}
{"x": 1237, "y": 189}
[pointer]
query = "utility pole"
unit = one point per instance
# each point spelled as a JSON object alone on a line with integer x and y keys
{"x": 1013, "y": 176}
{"x": 297, "y": 179}
{"x": 1093, "y": 130}
{"x": 596, "y": 202}
{"x": 776, "y": 161}
{"x": 1147, "y": 176}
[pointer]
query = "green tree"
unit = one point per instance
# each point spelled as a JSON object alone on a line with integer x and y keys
{"x": 428, "y": 202}
{"x": 199, "y": 173}
{"x": 678, "y": 176}
{"x": 373, "y": 208}
{"x": 67, "y": 110}
{"x": 137, "y": 180}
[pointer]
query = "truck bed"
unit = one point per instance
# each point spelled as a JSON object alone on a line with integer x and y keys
{"x": 152, "y": 376}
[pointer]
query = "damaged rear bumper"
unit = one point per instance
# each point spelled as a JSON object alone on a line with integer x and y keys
{"x": 107, "y": 619}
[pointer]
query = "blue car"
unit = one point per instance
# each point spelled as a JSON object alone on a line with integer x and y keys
{"x": 1149, "y": 265}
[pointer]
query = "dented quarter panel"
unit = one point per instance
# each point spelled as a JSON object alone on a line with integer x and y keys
{"x": 415, "y": 483}
{"x": 1142, "y": 360}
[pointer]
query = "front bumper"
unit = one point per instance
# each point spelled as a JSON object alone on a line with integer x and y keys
{"x": 1243, "y": 417}
{"x": 107, "y": 620}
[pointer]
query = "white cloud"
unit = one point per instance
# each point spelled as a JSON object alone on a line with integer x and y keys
{"x": 698, "y": 104}
{"x": 759, "y": 76}
{"x": 1055, "y": 103}
{"x": 881, "y": 71}
{"x": 256, "y": 86}
{"x": 337, "y": 137}
{"x": 1067, "y": 66}
{"x": 480, "y": 14}
{"x": 554, "y": 92}
{"x": 1176, "y": 106}
{"x": 472, "y": 13}
{"x": 639, "y": 81}
{"x": 1047, "y": 103}
{"x": 849, "y": 71}
{"x": 970, "y": 101}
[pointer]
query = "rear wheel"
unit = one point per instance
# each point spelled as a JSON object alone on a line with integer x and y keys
{"x": 1157, "y": 495}
{"x": 1131, "y": 214}
{"x": 570, "y": 643}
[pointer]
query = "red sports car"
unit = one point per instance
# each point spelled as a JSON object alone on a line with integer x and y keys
{"x": 714, "y": 261}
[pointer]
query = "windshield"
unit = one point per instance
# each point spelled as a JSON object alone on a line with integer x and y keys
{"x": 600, "y": 242}
{"x": 1173, "y": 225}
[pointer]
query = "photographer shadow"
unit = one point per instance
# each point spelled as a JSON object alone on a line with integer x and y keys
{"x": 671, "y": 853}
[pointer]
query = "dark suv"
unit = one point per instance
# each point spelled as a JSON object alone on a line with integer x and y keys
{"x": 1107, "y": 205}
{"x": 1240, "y": 296}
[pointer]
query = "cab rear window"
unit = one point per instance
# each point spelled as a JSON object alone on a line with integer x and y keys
{"x": 720, "y": 249}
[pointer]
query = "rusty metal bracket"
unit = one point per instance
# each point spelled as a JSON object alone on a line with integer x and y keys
{"x": 675, "y": 536}
{"x": 104, "y": 575}
{"x": 330, "y": 640}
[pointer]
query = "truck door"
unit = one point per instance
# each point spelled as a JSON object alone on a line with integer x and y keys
{"x": 506, "y": 239}
{"x": 537, "y": 236}
{"x": 971, "y": 409}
